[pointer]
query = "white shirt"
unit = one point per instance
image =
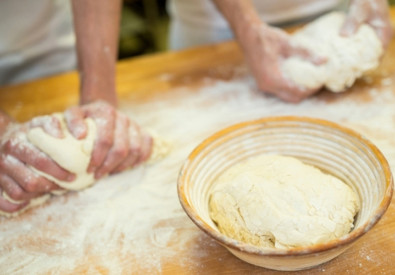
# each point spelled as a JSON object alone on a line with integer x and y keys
{"x": 197, "y": 22}
{"x": 36, "y": 39}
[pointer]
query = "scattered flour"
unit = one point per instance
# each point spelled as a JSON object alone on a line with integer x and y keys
{"x": 124, "y": 222}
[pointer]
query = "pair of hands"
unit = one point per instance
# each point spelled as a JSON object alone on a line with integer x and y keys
{"x": 267, "y": 46}
{"x": 120, "y": 144}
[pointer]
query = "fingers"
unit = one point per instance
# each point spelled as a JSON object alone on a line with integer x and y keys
{"x": 29, "y": 181}
{"x": 146, "y": 147}
{"x": 385, "y": 33}
{"x": 140, "y": 149}
{"x": 74, "y": 117}
{"x": 120, "y": 149}
{"x": 288, "y": 90}
{"x": 119, "y": 143}
{"x": 104, "y": 115}
{"x": 13, "y": 190}
{"x": 350, "y": 26}
{"x": 9, "y": 207}
{"x": 374, "y": 13}
{"x": 30, "y": 155}
{"x": 294, "y": 96}
{"x": 49, "y": 124}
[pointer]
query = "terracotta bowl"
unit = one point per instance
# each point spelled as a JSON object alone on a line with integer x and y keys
{"x": 326, "y": 145}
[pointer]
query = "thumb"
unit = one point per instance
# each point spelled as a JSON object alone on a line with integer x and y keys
{"x": 75, "y": 122}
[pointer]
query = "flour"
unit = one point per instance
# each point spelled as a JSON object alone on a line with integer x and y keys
{"x": 348, "y": 58}
{"x": 68, "y": 152}
{"x": 124, "y": 222}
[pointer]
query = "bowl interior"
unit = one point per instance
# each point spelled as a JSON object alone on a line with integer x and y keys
{"x": 326, "y": 145}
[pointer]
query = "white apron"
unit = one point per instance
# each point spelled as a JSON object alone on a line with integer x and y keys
{"x": 197, "y": 22}
{"x": 36, "y": 39}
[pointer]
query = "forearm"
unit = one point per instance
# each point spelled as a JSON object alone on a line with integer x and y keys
{"x": 96, "y": 24}
{"x": 242, "y": 17}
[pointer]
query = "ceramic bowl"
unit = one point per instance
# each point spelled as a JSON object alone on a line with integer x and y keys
{"x": 324, "y": 144}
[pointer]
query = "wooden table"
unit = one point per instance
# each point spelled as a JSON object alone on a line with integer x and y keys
{"x": 68, "y": 235}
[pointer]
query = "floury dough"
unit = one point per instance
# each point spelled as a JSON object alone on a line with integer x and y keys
{"x": 279, "y": 202}
{"x": 348, "y": 57}
{"x": 74, "y": 155}
{"x": 70, "y": 153}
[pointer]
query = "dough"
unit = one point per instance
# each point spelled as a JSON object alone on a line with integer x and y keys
{"x": 161, "y": 147}
{"x": 73, "y": 155}
{"x": 280, "y": 202}
{"x": 348, "y": 58}
{"x": 70, "y": 153}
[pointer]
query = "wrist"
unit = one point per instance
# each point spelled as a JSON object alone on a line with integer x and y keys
{"x": 98, "y": 86}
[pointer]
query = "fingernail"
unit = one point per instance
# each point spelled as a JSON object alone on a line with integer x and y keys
{"x": 79, "y": 131}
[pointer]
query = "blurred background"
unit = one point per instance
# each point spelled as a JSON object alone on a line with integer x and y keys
{"x": 144, "y": 27}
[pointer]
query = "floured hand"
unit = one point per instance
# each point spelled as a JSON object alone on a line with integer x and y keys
{"x": 372, "y": 12}
{"x": 120, "y": 144}
{"x": 265, "y": 51}
{"x": 67, "y": 151}
{"x": 18, "y": 157}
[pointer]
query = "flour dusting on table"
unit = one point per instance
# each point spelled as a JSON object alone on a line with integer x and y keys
{"x": 133, "y": 220}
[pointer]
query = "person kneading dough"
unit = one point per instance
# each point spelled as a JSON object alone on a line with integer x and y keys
{"x": 275, "y": 201}
{"x": 73, "y": 155}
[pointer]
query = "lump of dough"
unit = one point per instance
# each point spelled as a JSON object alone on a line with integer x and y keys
{"x": 348, "y": 57}
{"x": 280, "y": 202}
{"x": 68, "y": 152}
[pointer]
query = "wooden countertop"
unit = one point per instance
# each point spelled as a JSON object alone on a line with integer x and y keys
{"x": 167, "y": 81}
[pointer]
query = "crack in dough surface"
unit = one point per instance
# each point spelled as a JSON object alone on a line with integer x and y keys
{"x": 280, "y": 202}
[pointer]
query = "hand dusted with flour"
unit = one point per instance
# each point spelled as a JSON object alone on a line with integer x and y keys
{"x": 349, "y": 58}
{"x": 58, "y": 145}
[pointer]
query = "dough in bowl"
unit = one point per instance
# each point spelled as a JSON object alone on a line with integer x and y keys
{"x": 276, "y": 201}
{"x": 348, "y": 57}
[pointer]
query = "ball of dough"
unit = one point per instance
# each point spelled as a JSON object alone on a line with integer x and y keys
{"x": 348, "y": 57}
{"x": 70, "y": 153}
{"x": 280, "y": 202}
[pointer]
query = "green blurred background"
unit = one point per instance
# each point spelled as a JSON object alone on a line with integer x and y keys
{"x": 144, "y": 27}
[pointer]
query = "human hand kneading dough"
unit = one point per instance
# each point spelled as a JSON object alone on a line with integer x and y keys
{"x": 265, "y": 48}
{"x": 372, "y": 12}
{"x": 120, "y": 144}
{"x": 265, "y": 51}
{"x": 18, "y": 156}
{"x": 66, "y": 151}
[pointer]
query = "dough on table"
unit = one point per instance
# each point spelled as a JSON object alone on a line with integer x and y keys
{"x": 348, "y": 57}
{"x": 276, "y": 201}
{"x": 73, "y": 155}
{"x": 68, "y": 152}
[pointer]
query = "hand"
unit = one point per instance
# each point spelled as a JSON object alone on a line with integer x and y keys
{"x": 372, "y": 12}
{"x": 17, "y": 179}
{"x": 265, "y": 48}
{"x": 120, "y": 143}
{"x": 5, "y": 120}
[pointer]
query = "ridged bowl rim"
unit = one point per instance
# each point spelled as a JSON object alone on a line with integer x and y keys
{"x": 250, "y": 249}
